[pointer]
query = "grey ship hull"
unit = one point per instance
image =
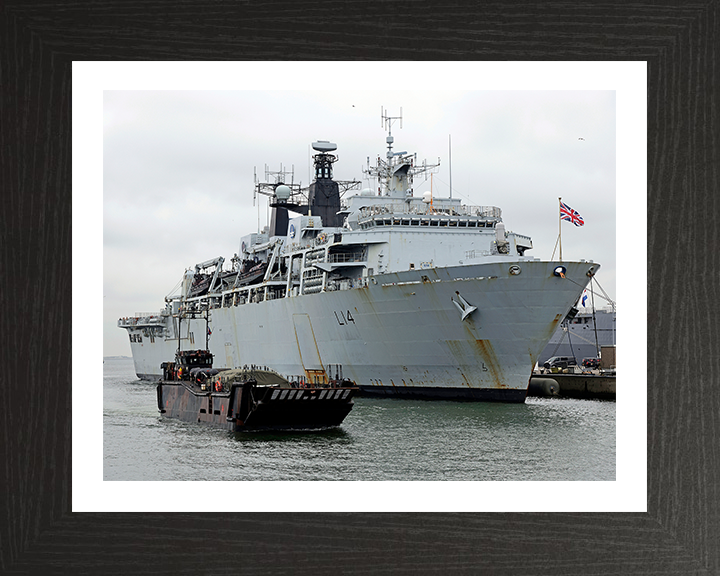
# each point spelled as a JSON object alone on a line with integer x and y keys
{"x": 405, "y": 334}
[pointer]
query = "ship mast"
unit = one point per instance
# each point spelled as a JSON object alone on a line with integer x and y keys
{"x": 387, "y": 122}
{"x": 395, "y": 173}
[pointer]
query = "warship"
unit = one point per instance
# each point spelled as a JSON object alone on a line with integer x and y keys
{"x": 416, "y": 296}
{"x": 582, "y": 336}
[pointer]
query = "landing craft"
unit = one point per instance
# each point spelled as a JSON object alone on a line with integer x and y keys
{"x": 250, "y": 398}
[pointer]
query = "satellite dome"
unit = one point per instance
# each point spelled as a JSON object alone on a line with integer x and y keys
{"x": 324, "y": 146}
{"x": 282, "y": 192}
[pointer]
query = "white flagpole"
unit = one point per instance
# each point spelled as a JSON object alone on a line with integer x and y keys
{"x": 560, "y": 227}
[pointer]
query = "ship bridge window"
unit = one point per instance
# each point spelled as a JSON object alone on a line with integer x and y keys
{"x": 323, "y": 171}
{"x": 415, "y": 222}
{"x": 434, "y": 223}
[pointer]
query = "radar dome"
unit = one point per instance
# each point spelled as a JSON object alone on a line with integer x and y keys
{"x": 427, "y": 197}
{"x": 282, "y": 192}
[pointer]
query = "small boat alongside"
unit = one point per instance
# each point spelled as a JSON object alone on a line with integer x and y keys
{"x": 251, "y": 398}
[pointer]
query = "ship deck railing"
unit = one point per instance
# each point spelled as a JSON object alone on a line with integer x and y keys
{"x": 142, "y": 319}
{"x": 492, "y": 212}
{"x": 344, "y": 257}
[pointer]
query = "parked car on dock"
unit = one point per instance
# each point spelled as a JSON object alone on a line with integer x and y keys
{"x": 560, "y": 362}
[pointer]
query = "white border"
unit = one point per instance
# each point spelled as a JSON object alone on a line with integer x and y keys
{"x": 628, "y": 493}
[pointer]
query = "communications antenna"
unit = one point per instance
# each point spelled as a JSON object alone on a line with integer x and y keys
{"x": 386, "y": 122}
{"x": 272, "y": 179}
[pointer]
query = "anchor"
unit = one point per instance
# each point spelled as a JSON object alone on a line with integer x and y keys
{"x": 464, "y": 307}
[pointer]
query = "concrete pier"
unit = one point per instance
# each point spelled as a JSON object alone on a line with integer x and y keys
{"x": 586, "y": 386}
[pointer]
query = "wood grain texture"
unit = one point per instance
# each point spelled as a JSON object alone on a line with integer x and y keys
{"x": 679, "y": 535}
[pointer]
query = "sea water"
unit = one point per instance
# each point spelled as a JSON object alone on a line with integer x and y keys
{"x": 381, "y": 439}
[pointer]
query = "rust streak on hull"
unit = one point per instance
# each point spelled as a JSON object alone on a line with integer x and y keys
{"x": 485, "y": 348}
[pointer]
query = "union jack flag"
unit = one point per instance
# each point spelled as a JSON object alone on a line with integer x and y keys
{"x": 567, "y": 213}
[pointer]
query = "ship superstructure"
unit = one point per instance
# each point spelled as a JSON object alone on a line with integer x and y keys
{"x": 416, "y": 296}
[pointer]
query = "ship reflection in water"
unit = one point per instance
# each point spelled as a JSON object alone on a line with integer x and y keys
{"x": 381, "y": 439}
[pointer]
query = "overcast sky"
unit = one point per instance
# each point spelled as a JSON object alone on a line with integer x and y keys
{"x": 178, "y": 171}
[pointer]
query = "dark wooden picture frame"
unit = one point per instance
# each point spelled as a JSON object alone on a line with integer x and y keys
{"x": 681, "y": 530}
